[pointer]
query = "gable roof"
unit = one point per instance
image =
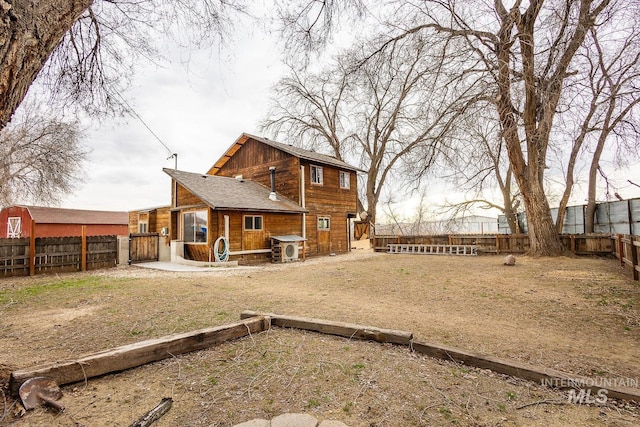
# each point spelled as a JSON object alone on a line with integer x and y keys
{"x": 46, "y": 215}
{"x": 301, "y": 153}
{"x": 221, "y": 192}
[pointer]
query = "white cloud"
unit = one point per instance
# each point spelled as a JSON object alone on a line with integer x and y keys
{"x": 197, "y": 112}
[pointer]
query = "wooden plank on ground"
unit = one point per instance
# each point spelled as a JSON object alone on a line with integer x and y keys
{"x": 541, "y": 375}
{"x": 137, "y": 354}
{"x": 348, "y": 330}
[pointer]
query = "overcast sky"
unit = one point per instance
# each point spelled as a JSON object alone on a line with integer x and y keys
{"x": 198, "y": 113}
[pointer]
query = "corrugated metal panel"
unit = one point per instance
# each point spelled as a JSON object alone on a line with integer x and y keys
{"x": 503, "y": 225}
{"x": 573, "y": 220}
{"x": 635, "y": 215}
{"x": 619, "y": 217}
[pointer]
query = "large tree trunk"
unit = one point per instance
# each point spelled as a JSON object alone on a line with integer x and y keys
{"x": 543, "y": 236}
{"x": 29, "y": 31}
{"x": 590, "y": 214}
{"x": 541, "y": 98}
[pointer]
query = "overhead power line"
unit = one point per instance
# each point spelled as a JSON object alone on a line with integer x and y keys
{"x": 134, "y": 113}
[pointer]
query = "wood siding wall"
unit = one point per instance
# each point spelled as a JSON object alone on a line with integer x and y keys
{"x": 329, "y": 200}
{"x": 253, "y": 160}
{"x": 274, "y": 224}
{"x": 157, "y": 219}
{"x": 186, "y": 198}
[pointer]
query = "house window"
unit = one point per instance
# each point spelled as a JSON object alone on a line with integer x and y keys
{"x": 194, "y": 227}
{"x": 316, "y": 174}
{"x": 14, "y": 227}
{"x": 143, "y": 223}
{"x": 324, "y": 223}
{"x": 345, "y": 180}
{"x": 253, "y": 222}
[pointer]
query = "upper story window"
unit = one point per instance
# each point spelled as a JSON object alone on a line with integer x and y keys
{"x": 345, "y": 180}
{"x": 253, "y": 222}
{"x": 194, "y": 227}
{"x": 316, "y": 174}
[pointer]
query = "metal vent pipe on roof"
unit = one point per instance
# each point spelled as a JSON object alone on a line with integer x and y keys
{"x": 272, "y": 195}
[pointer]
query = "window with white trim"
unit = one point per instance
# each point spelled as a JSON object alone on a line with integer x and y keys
{"x": 345, "y": 180}
{"x": 324, "y": 223}
{"x": 14, "y": 227}
{"x": 194, "y": 227}
{"x": 143, "y": 223}
{"x": 316, "y": 174}
{"x": 253, "y": 222}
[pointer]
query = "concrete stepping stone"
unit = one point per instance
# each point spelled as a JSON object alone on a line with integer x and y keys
{"x": 294, "y": 420}
{"x": 291, "y": 420}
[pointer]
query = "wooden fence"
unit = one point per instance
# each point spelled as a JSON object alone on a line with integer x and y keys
{"x": 625, "y": 248}
{"x": 622, "y": 246}
{"x": 580, "y": 244}
{"x": 56, "y": 254}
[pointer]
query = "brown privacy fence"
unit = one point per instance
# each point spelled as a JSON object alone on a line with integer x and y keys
{"x": 42, "y": 255}
{"x": 622, "y": 246}
{"x": 626, "y": 249}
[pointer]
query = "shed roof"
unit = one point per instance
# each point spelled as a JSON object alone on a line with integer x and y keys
{"x": 301, "y": 153}
{"x": 46, "y": 215}
{"x": 221, "y": 192}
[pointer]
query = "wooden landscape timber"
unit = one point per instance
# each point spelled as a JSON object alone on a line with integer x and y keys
{"x": 541, "y": 375}
{"x": 538, "y": 374}
{"x": 348, "y": 330}
{"x": 137, "y": 354}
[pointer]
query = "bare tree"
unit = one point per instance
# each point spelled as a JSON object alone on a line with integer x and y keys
{"x": 308, "y": 109}
{"x": 84, "y": 50}
{"x": 526, "y": 50}
{"x": 617, "y": 90}
{"x": 396, "y": 108}
{"x": 309, "y": 25}
{"x": 602, "y": 102}
{"x": 40, "y": 157}
{"x": 477, "y": 164}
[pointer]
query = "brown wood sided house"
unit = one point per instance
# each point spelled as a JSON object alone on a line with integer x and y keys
{"x": 260, "y": 190}
{"x": 151, "y": 220}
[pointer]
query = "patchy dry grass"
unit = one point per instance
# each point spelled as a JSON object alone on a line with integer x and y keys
{"x": 578, "y": 315}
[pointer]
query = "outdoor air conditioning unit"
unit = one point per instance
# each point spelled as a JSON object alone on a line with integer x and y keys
{"x": 289, "y": 251}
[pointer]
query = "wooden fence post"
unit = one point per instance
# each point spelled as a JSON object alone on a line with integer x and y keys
{"x": 634, "y": 258}
{"x": 83, "y": 250}
{"x": 32, "y": 249}
{"x": 620, "y": 250}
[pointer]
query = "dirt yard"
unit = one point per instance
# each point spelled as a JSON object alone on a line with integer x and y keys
{"x": 580, "y": 315}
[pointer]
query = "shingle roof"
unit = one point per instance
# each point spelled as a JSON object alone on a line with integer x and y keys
{"x": 229, "y": 193}
{"x": 287, "y": 148}
{"x": 45, "y": 215}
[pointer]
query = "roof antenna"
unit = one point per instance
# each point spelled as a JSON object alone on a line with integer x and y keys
{"x": 174, "y": 156}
